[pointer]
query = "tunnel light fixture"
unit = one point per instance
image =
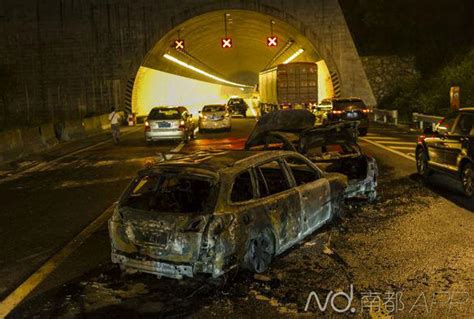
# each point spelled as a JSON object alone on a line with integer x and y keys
{"x": 193, "y": 68}
{"x": 293, "y": 56}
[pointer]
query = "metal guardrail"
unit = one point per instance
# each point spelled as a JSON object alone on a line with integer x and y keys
{"x": 423, "y": 118}
{"x": 386, "y": 116}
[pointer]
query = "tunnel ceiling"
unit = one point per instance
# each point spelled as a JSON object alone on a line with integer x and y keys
{"x": 241, "y": 63}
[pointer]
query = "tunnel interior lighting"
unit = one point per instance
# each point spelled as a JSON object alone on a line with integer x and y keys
{"x": 193, "y": 68}
{"x": 293, "y": 56}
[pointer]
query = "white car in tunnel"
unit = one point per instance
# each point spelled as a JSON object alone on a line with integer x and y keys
{"x": 215, "y": 117}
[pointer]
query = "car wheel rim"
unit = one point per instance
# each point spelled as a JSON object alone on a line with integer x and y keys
{"x": 468, "y": 181}
{"x": 261, "y": 253}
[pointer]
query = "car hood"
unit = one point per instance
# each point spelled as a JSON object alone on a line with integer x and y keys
{"x": 301, "y": 123}
{"x": 282, "y": 121}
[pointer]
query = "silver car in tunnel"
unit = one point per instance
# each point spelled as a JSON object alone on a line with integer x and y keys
{"x": 215, "y": 117}
{"x": 169, "y": 123}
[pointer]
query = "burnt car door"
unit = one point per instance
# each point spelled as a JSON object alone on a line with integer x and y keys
{"x": 282, "y": 203}
{"x": 458, "y": 142}
{"x": 314, "y": 193}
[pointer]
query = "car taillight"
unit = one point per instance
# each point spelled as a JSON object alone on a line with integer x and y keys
{"x": 337, "y": 112}
{"x": 181, "y": 124}
{"x": 147, "y": 126}
{"x": 366, "y": 110}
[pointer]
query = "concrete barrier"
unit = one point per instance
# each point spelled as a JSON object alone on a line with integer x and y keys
{"x": 92, "y": 125}
{"x": 73, "y": 129}
{"x": 48, "y": 135}
{"x": 17, "y": 143}
{"x": 11, "y": 145}
{"x": 32, "y": 140}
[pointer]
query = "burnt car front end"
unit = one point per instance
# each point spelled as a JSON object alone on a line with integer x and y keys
{"x": 333, "y": 147}
{"x": 164, "y": 224}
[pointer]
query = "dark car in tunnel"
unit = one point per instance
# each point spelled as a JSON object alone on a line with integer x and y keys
{"x": 332, "y": 147}
{"x": 238, "y": 106}
{"x": 214, "y": 211}
{"x": 348, "y": 109}
{"x": 449, "y": 149}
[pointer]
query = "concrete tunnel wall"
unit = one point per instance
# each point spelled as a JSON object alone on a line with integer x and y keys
{"x": 65, "y": 59}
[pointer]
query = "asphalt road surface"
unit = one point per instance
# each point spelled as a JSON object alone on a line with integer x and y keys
{"x": 411, "y": 249}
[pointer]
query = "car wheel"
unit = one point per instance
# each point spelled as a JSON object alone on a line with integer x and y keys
{"x": 260, "y": 252}
{"x": 467, "y": 178}
{"x": 422, "y": 164}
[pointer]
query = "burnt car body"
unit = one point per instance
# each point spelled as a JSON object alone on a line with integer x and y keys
{"x": 332, "y": 147}
{"x": 211, "y": 212}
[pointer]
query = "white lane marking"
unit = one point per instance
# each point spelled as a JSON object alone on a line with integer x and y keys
{"x": 403, "y": 148}
{"x": 388, "y": 149}
{"x": 382, "y": 138}
{"x": 45, "y": 165}
{"x": 178, "y": 148}
{"x": 22, "y": 291}
{"x": 396, "y": 143}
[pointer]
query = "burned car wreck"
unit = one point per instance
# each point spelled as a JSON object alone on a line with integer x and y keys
{"x": 332, "y": 147}
{"x": 210, "y": 212}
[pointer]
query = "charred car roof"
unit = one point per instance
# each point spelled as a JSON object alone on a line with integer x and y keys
{"x": 217, "y": 161}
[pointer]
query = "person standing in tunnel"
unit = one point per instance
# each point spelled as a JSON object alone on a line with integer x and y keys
{"x": 114, "y": 119}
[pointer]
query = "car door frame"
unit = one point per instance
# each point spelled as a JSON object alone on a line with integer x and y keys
{"x": 316, "y": 215}
{"x": 279, "y": 218}
{"x": 456, "y": 146}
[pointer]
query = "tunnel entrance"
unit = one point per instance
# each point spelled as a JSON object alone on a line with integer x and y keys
{"x": 201, "y": 70}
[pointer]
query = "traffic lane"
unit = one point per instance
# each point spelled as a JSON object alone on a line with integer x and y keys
{"x": 45, "y": 209}
{"x": 382, "y": 247}
{"x": 221, "y": 139}
{"x": 393, "y": 138}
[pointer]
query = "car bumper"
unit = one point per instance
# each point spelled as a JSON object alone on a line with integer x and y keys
{"x": 165, "y": 135}
{"x": 153, "y": 267}
{"x": 215, "y": 125}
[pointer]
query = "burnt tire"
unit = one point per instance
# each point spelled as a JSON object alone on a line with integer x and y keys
{"x": 260, "y": 251}
{"x": 422, "y": 164}
{"x": 467, "y": 180}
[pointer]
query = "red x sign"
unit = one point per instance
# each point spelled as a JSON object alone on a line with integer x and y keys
{"x": 179, "y": 44}
{"x": 272, "y": 41}
{"x": 226, "y": 43}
